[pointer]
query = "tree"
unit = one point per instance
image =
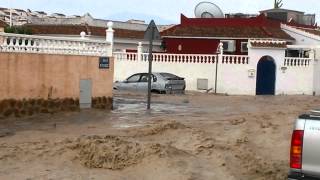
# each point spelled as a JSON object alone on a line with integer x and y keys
{"x": 278, "y": 4}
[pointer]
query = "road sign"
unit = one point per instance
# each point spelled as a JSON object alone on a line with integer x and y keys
{"x": 152, "y": 28}
{"x": 152, "y": 33}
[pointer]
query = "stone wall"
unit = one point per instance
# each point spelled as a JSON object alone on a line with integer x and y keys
{"x": 29, "y": 107}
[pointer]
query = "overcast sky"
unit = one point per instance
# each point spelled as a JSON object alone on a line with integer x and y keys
{"x": 163, "y": 11}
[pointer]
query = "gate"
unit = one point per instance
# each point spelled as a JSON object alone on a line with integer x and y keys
{"x": 266, "y": 76}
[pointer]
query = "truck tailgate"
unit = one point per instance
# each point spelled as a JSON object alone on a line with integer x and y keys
{"x": 311, "y": 148}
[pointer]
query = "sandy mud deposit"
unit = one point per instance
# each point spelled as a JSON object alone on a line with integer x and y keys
{"x": 243, "y": 138}
{"x": 112, "y": 152}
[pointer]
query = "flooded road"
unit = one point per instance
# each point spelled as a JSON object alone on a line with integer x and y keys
{"x": 192, "y": 136}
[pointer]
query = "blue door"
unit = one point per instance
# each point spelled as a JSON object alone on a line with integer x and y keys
{"x": 266, "y": 76}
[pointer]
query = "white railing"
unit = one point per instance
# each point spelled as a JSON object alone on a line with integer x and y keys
{"x": 52, "y": 45}
{"x": 122, "y": 56}
{"x": 235, "y": 59}
{"x": 293, "y": 61}
{"x": 183, "y": 58}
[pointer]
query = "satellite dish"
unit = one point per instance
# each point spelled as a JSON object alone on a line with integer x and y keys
{"x": 208, "y": 10}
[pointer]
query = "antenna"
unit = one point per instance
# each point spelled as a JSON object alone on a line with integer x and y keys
{"x": 278, "y": 4}
{"x": 208, "y": 10}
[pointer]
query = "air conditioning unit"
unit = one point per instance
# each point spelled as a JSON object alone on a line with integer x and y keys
{"x": 229, "y": 45}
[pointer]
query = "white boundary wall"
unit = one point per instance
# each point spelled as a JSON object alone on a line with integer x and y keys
{"x": 236, "y": 74}
{"x": 293, "y": 75}
{"x": 309, "y": 41}
{"x": 127, "y": 64}
{"x": 233, "y": 75}
{"x": 232, "y": 70}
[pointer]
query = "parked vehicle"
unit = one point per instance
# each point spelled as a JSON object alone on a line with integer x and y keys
{"x": 161, "y": 83}
{"x": 305, "y": 148}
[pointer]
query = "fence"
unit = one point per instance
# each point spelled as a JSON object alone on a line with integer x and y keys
{"x": 296, "y": 76}
{"x": 193, "y": 67}
{"x": 51, "y": 45}
{"x": 292, "y": 61}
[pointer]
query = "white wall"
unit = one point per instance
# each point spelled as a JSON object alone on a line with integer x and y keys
{"x": 317, "y": 72}
{"x": 234, "y": 79}
{"x": 309, "y": 41}
{"x": 233, "y": 75}
{"x": 295, "y": 80}
{"x": 190, "y": 71}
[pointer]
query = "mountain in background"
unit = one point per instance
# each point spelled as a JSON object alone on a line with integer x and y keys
{"x": 125, "y": 16}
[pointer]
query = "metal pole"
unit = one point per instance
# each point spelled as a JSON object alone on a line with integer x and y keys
{"x": 216, "y": 77}
{"x": 150, "y": 68}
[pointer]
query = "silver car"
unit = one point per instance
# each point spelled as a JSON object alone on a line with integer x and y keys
{"x": 161, "y": 83}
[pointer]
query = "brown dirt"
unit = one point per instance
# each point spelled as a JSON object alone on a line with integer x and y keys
{"x": 190, "y": 137}
{"x": 109, "y": 152}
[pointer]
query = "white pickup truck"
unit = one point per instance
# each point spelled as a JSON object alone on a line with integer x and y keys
{"x": 305, "y": 148}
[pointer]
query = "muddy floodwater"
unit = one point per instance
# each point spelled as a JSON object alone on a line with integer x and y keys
{"x": 184, "y": 137}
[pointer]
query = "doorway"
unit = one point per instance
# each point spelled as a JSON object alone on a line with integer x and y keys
{"x": 266, "y": 76}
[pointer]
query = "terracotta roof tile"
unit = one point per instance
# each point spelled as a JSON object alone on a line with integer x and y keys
{"x": 119, "y": 33}
{"x": 54, "y": 29}
{"x": 227, "y": 31}
{"x": 267, "y": 44}
{"x": 77, "y": 29}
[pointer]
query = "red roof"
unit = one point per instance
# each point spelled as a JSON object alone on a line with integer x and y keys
{"x": 77, "y": 29}
{"x": 258, "y": 27}
{"x": 3, "y": 24}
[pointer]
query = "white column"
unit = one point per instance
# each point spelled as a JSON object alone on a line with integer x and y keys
{"x": 312, "y": 54}
{"x": 220, "y": 48}
{"x": 109, "y": 38}
{"x": 83, "y": 35}
{"x": 140, "y": 51}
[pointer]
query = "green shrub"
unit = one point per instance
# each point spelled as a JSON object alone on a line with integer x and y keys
{"x": 18, "y": 30}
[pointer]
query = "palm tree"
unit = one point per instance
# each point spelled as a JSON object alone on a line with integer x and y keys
{"x": 278, "y": 4}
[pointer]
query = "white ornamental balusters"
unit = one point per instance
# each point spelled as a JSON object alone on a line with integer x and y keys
{"x": 140, "y": 51}
{"x": 23, "y": 44}
{"x": 11, "y": 45}
{"x": 52, "y": 45}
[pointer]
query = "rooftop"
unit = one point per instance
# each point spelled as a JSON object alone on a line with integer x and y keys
{"x": 258, "y": 27}
{"x": 77, "y": 29}
{"x": 280, "y": 10}
{"x": 311, "y": 31}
